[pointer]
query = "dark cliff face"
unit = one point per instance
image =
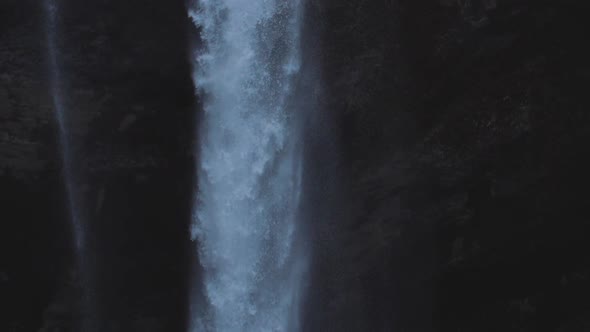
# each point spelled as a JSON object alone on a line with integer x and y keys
{"x": 463, "y": 131}
{"x": 131, "y": 109}
{"x": 446, "y": 165}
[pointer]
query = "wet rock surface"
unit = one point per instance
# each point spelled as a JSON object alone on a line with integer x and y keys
{"x": 463, "y": 130}
{"x": 130, "y": 107}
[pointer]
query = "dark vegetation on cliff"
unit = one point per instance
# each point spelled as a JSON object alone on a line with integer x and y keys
{"x": 447, "y": 165}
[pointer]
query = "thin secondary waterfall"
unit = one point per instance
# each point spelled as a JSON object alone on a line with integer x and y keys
{"x": 85, "y": 275}
{"x": 245, "y": 216}
{"x": 51, "y": 10}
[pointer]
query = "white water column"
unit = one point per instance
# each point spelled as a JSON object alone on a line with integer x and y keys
{"x": 249, "y": 172}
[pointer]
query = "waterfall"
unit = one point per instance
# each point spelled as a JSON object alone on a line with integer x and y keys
{"x": 73, "y": 201}
{"x": 249, "y": 172}
{"x": 51, "y": 9}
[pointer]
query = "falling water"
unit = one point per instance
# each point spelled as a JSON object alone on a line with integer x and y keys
{"x": 85, "y": 275}
{"x": 51, "y": 8}
{"x": 245, "y": 216}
